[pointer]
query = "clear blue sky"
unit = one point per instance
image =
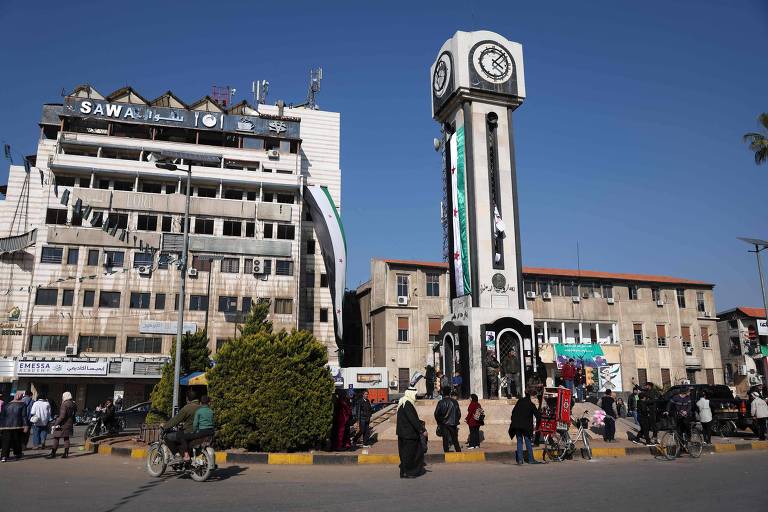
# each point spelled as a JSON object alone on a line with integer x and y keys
{"x": 629, "y": 140}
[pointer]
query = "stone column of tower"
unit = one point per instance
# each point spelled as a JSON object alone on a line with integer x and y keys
{"x": 477, "y": 83}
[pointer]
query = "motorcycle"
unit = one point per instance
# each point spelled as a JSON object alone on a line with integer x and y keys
{"x": 97, "y": 427}
{"x": 201, "y": 464}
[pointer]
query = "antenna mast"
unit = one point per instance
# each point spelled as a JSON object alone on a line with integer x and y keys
{"x": 315, "y": 77}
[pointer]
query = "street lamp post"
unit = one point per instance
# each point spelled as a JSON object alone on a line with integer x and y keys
{"x": 164, "y": 161}
{"x": 759, "y": 245}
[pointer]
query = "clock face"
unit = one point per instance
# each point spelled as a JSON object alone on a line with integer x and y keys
{"x": 442, "y": 74}
{"x": 498, "y": 281}
{"x": 493, "y": 62}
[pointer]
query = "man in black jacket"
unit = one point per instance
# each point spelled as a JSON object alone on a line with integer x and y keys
{"x": 521, "y": 426}
{"x": 364, "y": 411}
{"x": 448, "y": 416}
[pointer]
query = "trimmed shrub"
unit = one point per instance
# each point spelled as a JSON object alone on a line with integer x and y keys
{"x": 272, "y": 392}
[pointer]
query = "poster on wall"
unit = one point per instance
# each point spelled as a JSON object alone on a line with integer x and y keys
{"x": 490, "y": 340}
{"x": 587, "y": 355}
{"x": 610, "y": 377}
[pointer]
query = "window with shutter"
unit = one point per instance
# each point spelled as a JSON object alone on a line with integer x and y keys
{"x": 705, "y": 337}
{"x": 402, "y": 329}
{"x": 661, "y": 335}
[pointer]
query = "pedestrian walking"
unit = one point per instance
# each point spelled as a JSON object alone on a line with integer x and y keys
{"x": 608, "y": 404}
{"x": 653, "y": 405}
{"x": 429, "y": 379}
{"x": 511, "y": 367}
{"x": 521, "y": 426}
{"x": 64, "y": 425}
{"x": 568, "y": 373}
{"x": 448, "y": 416}
{"x": 705, "y": 416}
{"x": 341, "y": 422}
{"x": 13, "y": 425}
{"x": 632, "y": 402}
{"x": 364, "y": 413}
{"x": 492, "y": 374}
{"x": 475, "y": 419}
{"x": 40, "y": 418}
{"x": 28, "y": 401}
{"x": 644, "y": 418}
{"x": 409, "y": 434}
{"x": 443, "y": 381}
{"x": 579, "y": 381}
{"x": 457, "y": 381}
{"x": 621, "y": 408}
{"x": 759, "y": 412}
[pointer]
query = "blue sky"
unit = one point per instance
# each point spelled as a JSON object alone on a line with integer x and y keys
{"x": 629, "y": 141}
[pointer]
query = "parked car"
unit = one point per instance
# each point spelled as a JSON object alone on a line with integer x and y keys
{"x": 729, "y": 413}
{"x": 134, "y": 416}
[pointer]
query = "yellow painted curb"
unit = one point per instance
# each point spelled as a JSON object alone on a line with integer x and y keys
{"x": 289, "y": 458}
{"x": 538, "y": 453}
{"x": 221, "y": 457}
{"x": 138, "y": 453}
{"x": 465, "y": 457}
{"x": 88, "y": 446}
{"x": 378, "y": 459}
{"x": 105, "y": 449}
{"x": 724, "y": 447}
{"x": 609, "y": 452}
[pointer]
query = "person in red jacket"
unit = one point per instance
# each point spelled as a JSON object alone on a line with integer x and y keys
{"x": 474, "y": 421}
{"x": 568, "y": 373}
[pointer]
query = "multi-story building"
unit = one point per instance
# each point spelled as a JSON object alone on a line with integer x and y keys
{"x": 635, "y": 328}
{"x": 402, "y": 308}
{"x": 743, "y": 337}
{"x": 93, "y": 285}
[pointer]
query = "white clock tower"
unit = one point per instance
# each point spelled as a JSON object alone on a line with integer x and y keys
{"x": 477, "y": 83}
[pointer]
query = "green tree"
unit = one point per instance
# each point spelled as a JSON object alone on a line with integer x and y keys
{"x": 195, "y": 357}
{"x": 758, "y": 141}
{"x": 272, "y": 392}
{"x": 256, "y": 321}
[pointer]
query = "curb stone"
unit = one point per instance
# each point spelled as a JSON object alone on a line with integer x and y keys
{"x": 324, "y": 459}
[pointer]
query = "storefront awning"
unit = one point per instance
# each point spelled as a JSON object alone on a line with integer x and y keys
{"x": 591, "y": 356}
{"x": 194, "y": 379}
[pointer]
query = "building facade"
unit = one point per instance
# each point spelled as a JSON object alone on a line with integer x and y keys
{"x": 632, "y": 328}
{"x": 743, "y": 337}
{"x": 89, "y": 300}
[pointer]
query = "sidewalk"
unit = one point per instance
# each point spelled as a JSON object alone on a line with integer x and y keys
{"x": 385, "y": 452}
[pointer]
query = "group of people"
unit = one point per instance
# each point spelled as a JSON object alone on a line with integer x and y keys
{"x": 351, "y": 420}
{"x": 24, "y": 416}
{"x": 574, "y": 378}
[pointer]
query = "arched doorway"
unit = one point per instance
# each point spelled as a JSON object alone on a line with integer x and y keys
{"x": 510, "y": 341}
{"x": 448, "y": 357}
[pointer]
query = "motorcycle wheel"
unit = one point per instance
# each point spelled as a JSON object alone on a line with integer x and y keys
{"x": 156, "y": 462}
{"x": 89, "y": 431}
{"x": 202, "y": 465}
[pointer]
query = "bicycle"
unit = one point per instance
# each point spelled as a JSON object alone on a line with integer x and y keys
{"x": 560, "y": 446}
{"x": 672, "y": 443}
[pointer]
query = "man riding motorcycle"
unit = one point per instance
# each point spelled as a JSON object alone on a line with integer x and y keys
{"x": 183, "y": 419}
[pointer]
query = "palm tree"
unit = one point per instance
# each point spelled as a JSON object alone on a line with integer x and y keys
{"x": 758, "y": 142}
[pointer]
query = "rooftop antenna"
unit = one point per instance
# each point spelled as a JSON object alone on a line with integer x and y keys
{"x": 315, "y": 77}
{"x": 259, "y": 89}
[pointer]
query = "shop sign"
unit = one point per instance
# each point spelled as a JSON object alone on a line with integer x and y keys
{"x": 63, "y": 368}
{"x": 162, "y": 327}
{"x": 11, "y": 329}
{"x": 762, "y": 327}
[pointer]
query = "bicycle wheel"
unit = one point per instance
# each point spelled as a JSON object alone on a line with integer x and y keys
{"x": 554, "y": 446}
{"x": 670, "y": 443}
{"x": 586, "y": 452}
{"x": 695, "y": 443}
{"x": 156, "y": 462}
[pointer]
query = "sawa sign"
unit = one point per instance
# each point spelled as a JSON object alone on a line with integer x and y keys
{"x": 61, "y": 368}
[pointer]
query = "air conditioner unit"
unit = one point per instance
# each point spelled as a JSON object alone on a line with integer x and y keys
{"x": 393, "y": 384}
{"x": 660, "y": 303}
{"x": 689, "y": 350}
{"x": 192, "y": 272}
{"x": 546, "y": 296}
{"x": 707, "y": 314}
{"x": 530, "y": 295}
{"x": 576, "y": 298}
{"x": 609, "y": 300}
{"x": 743, "y": 369}
{"x": 273, "y": 153}
{"x": 145, "y": 270}
{"x": 258, "y": 266}
{"x": 70, "y": 350}
{"x": 402, "y": 300}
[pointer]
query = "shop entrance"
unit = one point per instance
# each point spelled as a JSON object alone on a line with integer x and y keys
{"x": 96, "y": 394}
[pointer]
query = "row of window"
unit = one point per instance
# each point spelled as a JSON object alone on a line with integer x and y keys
{"x": 661, "y": 335}
{"x": 167, "y": 224}
{"x": 116, "y": 259}
{"x": 666, "y": 378}
{"x": 141, "y": 300}
{"x": 433, "y": 285}
{"x": 95, "y": 343}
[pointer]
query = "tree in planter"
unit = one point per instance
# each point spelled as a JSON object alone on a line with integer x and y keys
{"x": 271, "y": 391}
{"x": 195, "y": 357}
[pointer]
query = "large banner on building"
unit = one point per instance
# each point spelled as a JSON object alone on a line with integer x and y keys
{"x": 587, "y": 355}
{"x": 333, "y": 244}
{"x": 461, "y": 262}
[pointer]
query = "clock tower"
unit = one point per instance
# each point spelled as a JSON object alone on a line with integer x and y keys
{"x": 477, "y": 83}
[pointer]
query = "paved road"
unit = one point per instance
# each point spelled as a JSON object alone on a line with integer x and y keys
{"x": 114, "y": 484}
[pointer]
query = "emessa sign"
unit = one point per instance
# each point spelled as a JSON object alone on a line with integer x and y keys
{"x": 61, "y": 368}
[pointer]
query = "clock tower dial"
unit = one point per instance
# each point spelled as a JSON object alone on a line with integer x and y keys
{"x": 492, "y": 62}
{"x": 442, "y": 74}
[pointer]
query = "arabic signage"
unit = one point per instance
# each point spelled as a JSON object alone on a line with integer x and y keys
{"x": 179, "y": 118}
{"x": 762, "y": 327}
{"x": 61, "y": 368}
{"x": 587, "y": 355}
{"x": 161, "y": 327}
{"x": 11, "y": 328}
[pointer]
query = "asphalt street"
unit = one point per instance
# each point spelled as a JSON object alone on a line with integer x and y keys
{"x": 114, "y": 484}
